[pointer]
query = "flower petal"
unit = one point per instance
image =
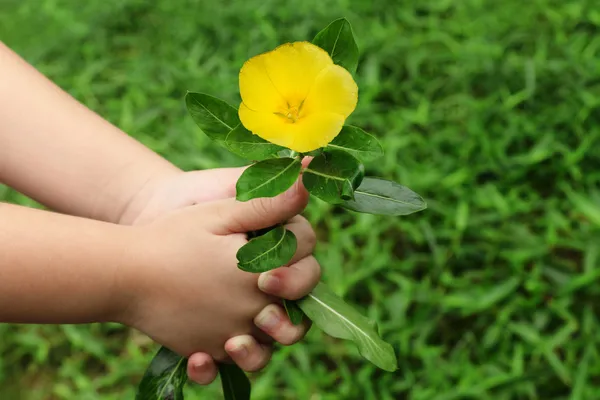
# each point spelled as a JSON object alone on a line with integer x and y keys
{"x": 334, "y": 91}
{"x": 293, "y": 68}
{"x": 256, "y": 89}
{"x": 317, "y": 130}
{"x": 306, "y": 134}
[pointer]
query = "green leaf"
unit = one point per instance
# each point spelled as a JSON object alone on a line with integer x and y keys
{"x": 286, "y": 153}
{"x": 215, "y": 117}
{"x": 248, "y": 145}
{"x": 383, "y": 197}
{"x": 272, "y": 250}
{"x": 336, "y": 318}
{"x": 234, "y": 382}
{"x": 314, "y": 153}
{"x": 294, "y": 312}
{"x": 333, "y": 176}
{"x": 360, "y": 144}
{"x": 267, "y": 178}
{"x": 165, "y": 377}
{"x": 337, "y": 39}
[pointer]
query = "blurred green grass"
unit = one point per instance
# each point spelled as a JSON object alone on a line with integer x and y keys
{"x": 488, "y": 109}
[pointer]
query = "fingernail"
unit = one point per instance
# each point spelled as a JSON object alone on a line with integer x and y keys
{"x": 268, "y": 283}
{"x": 200, "y": 366}
{"x": 240, "y": 349}
{"x": 267, "y": 320}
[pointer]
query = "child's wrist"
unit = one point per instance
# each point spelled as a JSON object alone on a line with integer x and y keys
{"x": 128, "y": 276}
{"x": 141, "y": 197}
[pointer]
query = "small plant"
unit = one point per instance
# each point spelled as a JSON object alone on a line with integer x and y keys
{"x": 295, "y": 100}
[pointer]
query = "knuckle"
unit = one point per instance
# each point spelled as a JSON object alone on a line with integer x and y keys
{"x": 217, "y": 211}
{"x": 311, "y": 268}
{"x": 298, "y": 280}
{"x": 261, "y": 206}
{"x": 291, "y": 284}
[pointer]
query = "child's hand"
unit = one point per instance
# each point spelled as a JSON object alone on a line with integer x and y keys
{"x": 180, "y": 189}
{"x": 183, "y": 190}
{"x": 175, "y": 191}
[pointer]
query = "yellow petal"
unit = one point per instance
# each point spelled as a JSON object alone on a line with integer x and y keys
{"x": 317, "y": 130}
{"x": 334, "y": 91}
{"x": 306, "y": 134}
{"x": 256, "y": 89}
{"x": 293, "y": 68}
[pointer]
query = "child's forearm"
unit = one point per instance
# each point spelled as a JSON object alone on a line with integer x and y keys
{"x": 63, "y": 155}
{"x": 61, "y": 269}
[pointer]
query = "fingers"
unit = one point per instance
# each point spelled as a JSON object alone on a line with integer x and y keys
{"x": 273, "y": 321}
{"x": 307, "y": 239}
{"x": 244, "y": 350}
{"x": 306, "y": 161}
{"x": 210, "y": 185}
{"x": 224, "y": 180}
{"x": 238, "y": 217}
{"x": 293, "y": 282}
{"x": 201, "y": 368}
{"x": 247, "y": 353}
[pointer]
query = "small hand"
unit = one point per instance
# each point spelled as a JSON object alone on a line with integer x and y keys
{"x": 190, "y": 188}
{"x": 192, "y": 297}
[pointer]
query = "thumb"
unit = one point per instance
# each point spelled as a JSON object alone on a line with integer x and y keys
{"x": 242, "y": 217}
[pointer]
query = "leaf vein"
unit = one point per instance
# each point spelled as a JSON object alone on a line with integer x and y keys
{"x": 364, "y": 149}
{"x": 358, "y": 191}
{"x": 312, "y": 171}
{"x": 336, "y": 39}
{"x": 211, "y": 113}
{"x": 160, "y": 394}
{"x": 344, "y": 320}
{"x": 268, "y": 251}
{"x": 273, "y": 178}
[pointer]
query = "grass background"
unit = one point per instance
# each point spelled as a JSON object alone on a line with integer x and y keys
{"x": 489, "y": 109}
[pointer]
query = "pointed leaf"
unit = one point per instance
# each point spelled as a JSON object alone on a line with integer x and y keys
{"x": 267, "y": 178}
{"x": 338, "y": 40}
{"x": 333, "y": 176}
{"x": 336, "y": 318}
{"x": 234, "y": 382}
{"x": 248, "y": 145}
{"x": 215, "y": 117}
{"x": 383, "y": 197}
{"x": 360, "y": 144}
{"x": 272, "y": 250}
{"x": 165, "y": 377}
{"x": 295, "y": 314}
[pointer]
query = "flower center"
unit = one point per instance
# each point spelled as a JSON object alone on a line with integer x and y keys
{"x": 290, "y": 113}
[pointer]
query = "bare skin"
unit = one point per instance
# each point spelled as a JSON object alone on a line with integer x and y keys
{"x": 195, "y": 187}
{"x": 76, "y": 268}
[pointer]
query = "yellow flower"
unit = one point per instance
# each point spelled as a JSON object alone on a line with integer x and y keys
{"x": 295, "y": 96}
